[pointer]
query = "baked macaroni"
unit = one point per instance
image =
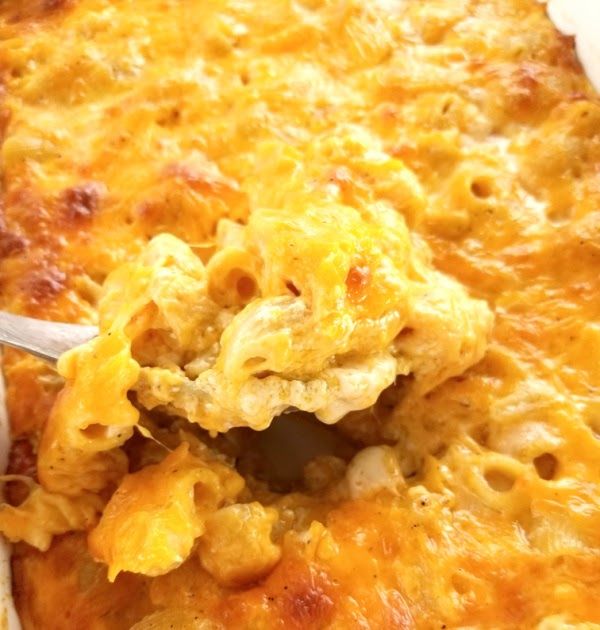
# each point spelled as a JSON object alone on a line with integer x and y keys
{"x": 377, "y": 220}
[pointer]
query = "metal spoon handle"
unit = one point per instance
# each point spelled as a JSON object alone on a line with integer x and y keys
{"x": 47, "y": 340}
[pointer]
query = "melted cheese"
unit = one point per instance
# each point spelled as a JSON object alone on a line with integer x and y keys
{"x": 151, "y": 522}
{"x": 422, "y": 158}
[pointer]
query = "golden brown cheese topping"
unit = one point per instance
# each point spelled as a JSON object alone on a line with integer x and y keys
{"x": 383, "y": 214}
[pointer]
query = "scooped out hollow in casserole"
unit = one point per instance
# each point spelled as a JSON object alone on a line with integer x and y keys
{"x": 343, "y": 257}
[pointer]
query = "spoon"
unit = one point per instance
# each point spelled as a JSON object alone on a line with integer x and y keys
{"x": 46, "y": 340}
{"x": 285, "y": 447}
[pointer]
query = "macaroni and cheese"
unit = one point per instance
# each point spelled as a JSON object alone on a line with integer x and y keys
{"x": 376, "y": 218}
